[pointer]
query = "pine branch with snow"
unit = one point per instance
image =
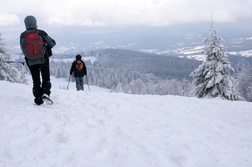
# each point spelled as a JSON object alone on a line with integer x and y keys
{"x": 8, "y": 71}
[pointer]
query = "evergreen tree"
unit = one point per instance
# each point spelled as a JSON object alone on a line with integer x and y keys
{"x": 7, "y": 71}
{"x": 245, "y": 82}
{"x": 212, "y": 78}
{"x": 2, "y": 45}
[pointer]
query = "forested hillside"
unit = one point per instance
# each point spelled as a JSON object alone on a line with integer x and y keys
{"x": 132, "y": 71}
{"x": 137, "y": 72}
{"x": 165, "y": 67}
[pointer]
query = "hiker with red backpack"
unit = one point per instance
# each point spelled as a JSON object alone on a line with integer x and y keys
{"x": 78, "y": 69}
{"x": 36, "y": 46}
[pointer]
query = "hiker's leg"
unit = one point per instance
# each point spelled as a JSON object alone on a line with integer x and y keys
{"x": 81, "y": 83}
{"x": 35, "y": 73}
{"x": 46, "y": 84}
{"x": 77, "y": 80}
{"x": 36, "y": 90}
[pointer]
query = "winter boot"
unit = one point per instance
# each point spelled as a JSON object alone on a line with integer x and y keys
{"x": 47, "y": 99}
{"x": 38, "y": 101}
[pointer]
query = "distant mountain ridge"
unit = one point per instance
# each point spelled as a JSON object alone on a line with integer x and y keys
{"x": 164, "y": 41}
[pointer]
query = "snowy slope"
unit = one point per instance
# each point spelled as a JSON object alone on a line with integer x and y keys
{"x": 102, "y": 129}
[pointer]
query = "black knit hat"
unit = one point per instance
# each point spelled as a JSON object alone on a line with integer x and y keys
{"x": 30, "y": 22}
{"x": 78, "y": 57}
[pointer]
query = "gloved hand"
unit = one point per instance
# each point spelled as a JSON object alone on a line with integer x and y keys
{"x": 49, "y": 51}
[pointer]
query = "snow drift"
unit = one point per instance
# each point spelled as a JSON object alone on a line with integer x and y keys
{"x": 99, "y": 128}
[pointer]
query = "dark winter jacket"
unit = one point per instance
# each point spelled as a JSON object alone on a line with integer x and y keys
{"x": 74, "y": 71}
{"x": 48, "y": 41}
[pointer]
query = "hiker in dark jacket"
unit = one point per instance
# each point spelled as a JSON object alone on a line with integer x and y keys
{"x": 38, "y": 67}
{"x": 78, "y": 69}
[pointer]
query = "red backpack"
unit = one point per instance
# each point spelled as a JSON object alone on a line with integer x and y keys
{"x": 34, "y": 47}
{"x": 79, "y": 65}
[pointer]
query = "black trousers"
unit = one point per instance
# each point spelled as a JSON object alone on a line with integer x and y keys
{"x": 38, "y": 71}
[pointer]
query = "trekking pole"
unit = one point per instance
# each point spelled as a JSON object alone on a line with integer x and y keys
{"x": 15, "y": 62}
{"x": 87, "y": 83}
{"x": 69, "y": 82}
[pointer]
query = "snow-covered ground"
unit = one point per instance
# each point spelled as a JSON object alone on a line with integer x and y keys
{"x": 102, "y": 129}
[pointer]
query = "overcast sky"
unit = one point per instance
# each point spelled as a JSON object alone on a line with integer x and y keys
{"x": 60, "y": 14}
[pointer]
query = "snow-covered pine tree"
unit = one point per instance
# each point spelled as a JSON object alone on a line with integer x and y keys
{"x": 7, "y": 71}
{"x": 244, "y": 79}
{"x": 212, "y": 78}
